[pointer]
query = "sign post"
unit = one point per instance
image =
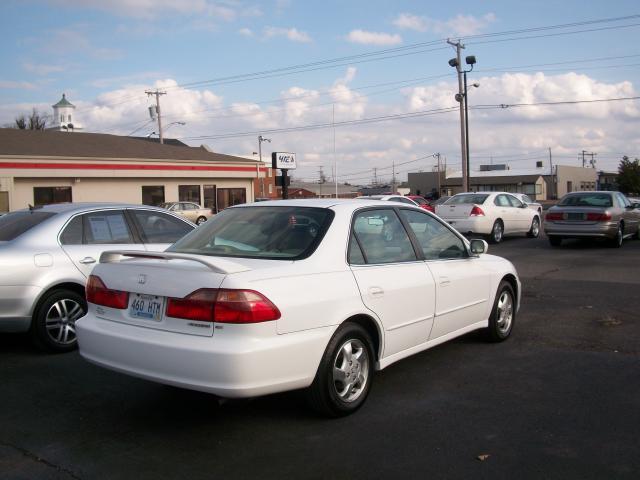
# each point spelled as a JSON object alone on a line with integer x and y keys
{"x": 284, "y": 161}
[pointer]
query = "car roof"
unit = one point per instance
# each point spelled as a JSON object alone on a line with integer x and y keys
{"x": 321, "y": 203}
{"x": 82, "y": 206}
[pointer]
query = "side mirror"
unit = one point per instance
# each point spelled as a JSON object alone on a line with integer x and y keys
{"x": 524, "y": 205}
{"x": 479, "y": 246}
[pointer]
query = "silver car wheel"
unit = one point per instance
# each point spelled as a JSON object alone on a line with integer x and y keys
{"x": 535, "y": 228}
{"x": 61, "y": 319}
{"x": 496, "y": 232}
{"x": 351, "y": 370}
{"x": 504, "y": 313}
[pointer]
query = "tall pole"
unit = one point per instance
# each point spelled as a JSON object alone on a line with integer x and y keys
{"x": 553, "y": 180}
{"x": 393, "y": 178}
{"x": 335, "y": 161}
{"x": 157, "y": 94}
{"x": 258, "y": 169}
{"x": 466, "y": 130}
{"x": 439, "y": 179}
{"x": 463, "y": 148}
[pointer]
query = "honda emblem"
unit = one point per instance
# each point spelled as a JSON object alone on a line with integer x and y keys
{"x": 142, "y": 279}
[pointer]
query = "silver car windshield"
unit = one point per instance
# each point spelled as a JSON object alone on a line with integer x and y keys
{"x": 14, "y": 224}
{"x": 259, "y": 232}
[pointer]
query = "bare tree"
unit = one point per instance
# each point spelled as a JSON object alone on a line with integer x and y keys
{"x": 35, "y": 121}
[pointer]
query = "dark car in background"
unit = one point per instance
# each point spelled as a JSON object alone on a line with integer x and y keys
{"x": 606, "y": 215}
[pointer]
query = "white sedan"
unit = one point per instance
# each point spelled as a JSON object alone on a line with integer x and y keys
{"x": 490, "y": 213}
{"x": 291, "y": 294}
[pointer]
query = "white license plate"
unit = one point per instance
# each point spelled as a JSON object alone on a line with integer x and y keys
{"x": 147, "y": 307}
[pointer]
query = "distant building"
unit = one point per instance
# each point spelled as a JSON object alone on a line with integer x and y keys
{"x": 539, "y": 183}
{"x": 607, "y": 180}
{"x": 63, "y": 116}
{"x": 41, "y": 167}
{"x": 321, "y": 190}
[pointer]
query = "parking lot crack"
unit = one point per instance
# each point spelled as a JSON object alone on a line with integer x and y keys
{"x": 41, "y": 460}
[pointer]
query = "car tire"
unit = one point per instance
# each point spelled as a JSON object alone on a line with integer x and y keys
{"x": 555, "y": 240}
{"x": 53, "y": 325}
{"x": 200, "y": 220}
{"x": 503, "y": 314}
{"x": 497, "y": 232}
{"x": 616, "y": 242}
{"x": 344, "y": 377}
{"x": 534, "y": 231}
{"x": 637, "y": 235}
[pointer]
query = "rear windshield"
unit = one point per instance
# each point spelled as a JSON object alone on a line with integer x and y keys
{"x": 259, "y": 232}
{"x": 587, "y": 200}
{"x": 14, "y": 224}
{"x": 467, "y": 198}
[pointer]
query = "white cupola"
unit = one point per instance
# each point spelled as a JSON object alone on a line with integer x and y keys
{"x": 63, "y": 117}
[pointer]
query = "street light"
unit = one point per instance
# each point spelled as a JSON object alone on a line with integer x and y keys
{"x": 260, "y": 140}
{"x": 167, "y": 128}
{"x": 462, "y": 97}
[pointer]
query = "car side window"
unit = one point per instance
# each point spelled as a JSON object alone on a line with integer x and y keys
{"x": 436, "y": 240}
{"x": 502, "y": 201}
{"x": 382, "y": 237}
{"x": 72, "y": 233}
{"x": 513, "y": 201}
{"x": 355, "y": 253}
{"x": 108, "y": 227}
{"x": 158, "y": 227}
{"x": 190, "y": 206}
{"x": 624, "y": 202}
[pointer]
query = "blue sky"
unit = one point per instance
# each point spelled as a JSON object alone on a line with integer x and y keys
{"x": 104, "y": 54}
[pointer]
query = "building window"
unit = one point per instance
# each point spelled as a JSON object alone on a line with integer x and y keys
{"x": 228, "y": 197}
{"x": 69, "y": 117}
{"x": 48, "y": 195}
{"x": 189, "y": 193}
{"x": 209, "y": 197}
{"x": 61, "y": 118}
{"x": 152, "y": 194}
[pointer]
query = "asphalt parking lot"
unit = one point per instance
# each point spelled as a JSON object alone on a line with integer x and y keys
{"x": 560, "y": 399}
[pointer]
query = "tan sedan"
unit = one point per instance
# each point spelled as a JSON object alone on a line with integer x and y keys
{"x": 608, "y": 215}
{"x": 191, "y": 211}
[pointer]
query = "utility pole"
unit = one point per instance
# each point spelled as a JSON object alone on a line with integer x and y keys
{"x": 592, "y": 162}
{"x": 437, "y": 155}
{"x": 553, "y": 178}
{"x": 393, "y": 177}
{"x": 375, "y": 176}
{"x": 460, "y": 98}
{"x": 157, "y": 94}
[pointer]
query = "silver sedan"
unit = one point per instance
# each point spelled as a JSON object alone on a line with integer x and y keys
{"x": 189, "y": 210}
{"x": 608, "y": 215}
{"x": 48, "y": 252}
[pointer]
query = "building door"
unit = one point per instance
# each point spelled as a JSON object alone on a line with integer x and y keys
{"x": 4, "y": 201}
{"x": 569, "y": 187}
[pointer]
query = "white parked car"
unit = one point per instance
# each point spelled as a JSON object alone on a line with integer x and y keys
{"x": 490, "y": 213}
{"x": 390, "y": 198}
{"x": 533, "y": 205}
{"x": 292, "y": 294}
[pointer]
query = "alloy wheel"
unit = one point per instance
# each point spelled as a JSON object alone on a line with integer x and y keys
{"x": 505, "y": 313}
{"x": 351, "y": 370}
{"x": 61, "y": 319}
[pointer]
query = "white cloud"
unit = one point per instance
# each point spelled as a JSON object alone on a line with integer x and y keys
{"x": 292, "y": 34}
{"x": 41, "y": 69}
{"x": 460, "y": 25}
{"x": 75, "y": 40}
{"x": 373, "y": 38}
{"x": 598, "y": 127}
{"x": 8, "y": 84}
{"x": 246, "y": 32}
{"x": 124, "y": 80}
{"x": 221, "y": 10}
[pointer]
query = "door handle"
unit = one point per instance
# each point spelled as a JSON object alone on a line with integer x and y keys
{"x": 444, "y": 281}
{"x": 87, "y": 260}
{"x": 376, "y": 291}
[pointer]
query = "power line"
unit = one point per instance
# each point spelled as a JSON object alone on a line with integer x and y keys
{"x": 328, "y": 63}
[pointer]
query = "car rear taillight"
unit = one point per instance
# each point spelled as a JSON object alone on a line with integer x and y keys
{"x": 99, "y": 294}
{"x": 195, "y": 306}
{"x": 223, "y": 306}
{"x": 553, "y": 216}
{"x": 599, "y": 217}
{"x": 476, "y": 211}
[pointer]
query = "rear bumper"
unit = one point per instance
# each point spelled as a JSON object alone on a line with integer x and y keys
{"x": 16, "y": 307}
{"x": 237, "y": 361}
{"x": 596, "y": 230}
{"x": 480, "y": 225}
